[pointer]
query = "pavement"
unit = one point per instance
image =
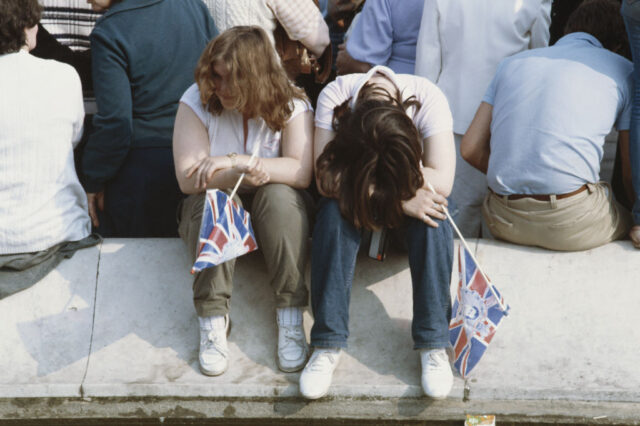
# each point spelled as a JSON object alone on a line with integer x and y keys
{"x": 112, "y": 332}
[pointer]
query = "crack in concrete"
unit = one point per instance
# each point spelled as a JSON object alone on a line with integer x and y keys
{"x": 93, "y": 323}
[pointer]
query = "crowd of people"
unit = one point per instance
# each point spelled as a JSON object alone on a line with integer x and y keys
{"x": 433, "y": 104}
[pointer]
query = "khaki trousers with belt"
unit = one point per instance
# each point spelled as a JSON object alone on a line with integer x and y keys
{"x": 280, "y": 218}
{"x": 583, "y": 221}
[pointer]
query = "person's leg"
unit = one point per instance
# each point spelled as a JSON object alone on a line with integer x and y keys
{"x": 430, "y": 260}
{"x": 469, "y": 189}
{"x": 211, "y": 291}
{"x": 142, "y": 199}
{"x": 333, "y": 257}
{"x": 280, "y": 216}
{"x": 334, "y": 248}
{"x": 632, "y": 24}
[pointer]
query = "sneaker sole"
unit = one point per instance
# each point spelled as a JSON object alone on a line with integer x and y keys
{"x": 291, "y": 369}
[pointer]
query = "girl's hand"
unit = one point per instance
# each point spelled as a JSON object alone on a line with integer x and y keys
{"x": 255, "y": 174}
{"x": 204, "y": 170}
{"x": 426, "y": 206}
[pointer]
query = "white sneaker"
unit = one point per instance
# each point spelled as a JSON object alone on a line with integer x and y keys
{"x": 437, "y": 378}
{"x": 213, "y": 346}
{"x": 316, "y": 376}
{"x": 292, "y": 343}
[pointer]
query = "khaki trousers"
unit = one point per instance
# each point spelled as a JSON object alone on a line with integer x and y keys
{"x": 280, "y": 218}
{"x": 586, "y": 220}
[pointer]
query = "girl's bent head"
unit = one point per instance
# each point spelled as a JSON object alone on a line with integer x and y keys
{"x": 373, "y": 163}
{"x": 240, "y": 70}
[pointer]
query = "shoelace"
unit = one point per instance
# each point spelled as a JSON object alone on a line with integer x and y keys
{"x": 214, "y": 341}
{"x": 437, "y": 360}
{"x": 320, "y": 361}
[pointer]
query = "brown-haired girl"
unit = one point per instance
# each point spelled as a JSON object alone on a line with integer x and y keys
{"x": 243, "y": 100}
{"x": 380, "y": 139}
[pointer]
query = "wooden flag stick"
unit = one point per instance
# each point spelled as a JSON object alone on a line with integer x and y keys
{"x": 256, "y": 148}
{"x": 464, "y": 243}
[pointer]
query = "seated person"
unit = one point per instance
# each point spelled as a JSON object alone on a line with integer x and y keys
{"x": 42, "y": 205}
{"x": 539, "y": 136}
{"x": 143, "y": 55}
{"x": 385, "y": 33}
{"x": 380, "y": 139}
{"x": 243, "y": 99}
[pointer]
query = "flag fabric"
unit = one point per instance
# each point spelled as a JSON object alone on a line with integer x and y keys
{"x": 476, "y": 315}
{"x": 225, "y": 231}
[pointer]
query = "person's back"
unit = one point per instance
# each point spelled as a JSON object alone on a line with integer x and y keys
{"x": 41, "y": 200}
{"x": 563, "y": 101}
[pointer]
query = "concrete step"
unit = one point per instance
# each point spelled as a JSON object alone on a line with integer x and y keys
{"x": 112, "y": 333}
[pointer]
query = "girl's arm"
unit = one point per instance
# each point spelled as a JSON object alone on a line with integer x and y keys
{"x": 439, "y": 160}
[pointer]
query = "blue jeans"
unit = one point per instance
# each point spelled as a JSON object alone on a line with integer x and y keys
{"x": 631, "y": 14}
{"x": 334, "y": 248}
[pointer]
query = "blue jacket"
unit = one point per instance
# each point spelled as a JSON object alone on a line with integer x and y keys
{"x": 144, "y": 53}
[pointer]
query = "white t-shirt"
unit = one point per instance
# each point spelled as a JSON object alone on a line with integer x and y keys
{"x": 433, "y": 117}
{"x": 41, "y": 115}
{"x": 226, "y": 133}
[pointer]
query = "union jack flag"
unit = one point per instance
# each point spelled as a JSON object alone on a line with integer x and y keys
{"x": 225, "y": 231}
{"x": 476, "y": 315}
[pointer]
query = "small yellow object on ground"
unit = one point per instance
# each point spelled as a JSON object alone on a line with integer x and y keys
{"x": 480, "y": 420}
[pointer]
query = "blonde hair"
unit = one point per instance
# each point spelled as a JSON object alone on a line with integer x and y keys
{"x": 259, "y": 83}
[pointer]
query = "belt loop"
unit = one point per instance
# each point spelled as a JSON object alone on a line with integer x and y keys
{"x": 553, "y": 201}
{"x": 505, "y": 198}
{"x": 591, "y": 188}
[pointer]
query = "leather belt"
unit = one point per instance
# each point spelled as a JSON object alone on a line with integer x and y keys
{"x": 545, "y": 197}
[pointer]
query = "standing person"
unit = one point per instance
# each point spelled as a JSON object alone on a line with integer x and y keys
{"x": 143, "y": 55}
{"x": 460, "y": 45}
{"x": 242, "y": 99}
{"x": 43, "y": 209}
{"x": 384, "y": 33}
{"x": 380, "y": 139}
{"x": 631, "y": 15}
{"x": 539, "y": 134}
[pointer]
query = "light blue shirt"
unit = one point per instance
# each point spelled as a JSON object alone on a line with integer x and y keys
{"x": 386, "y": 33}
{"x": 552, "y": 108}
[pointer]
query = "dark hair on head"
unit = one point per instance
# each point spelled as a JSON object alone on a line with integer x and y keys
{"x": 601, "y": 19}
{"x": 15, "y": 16}
{"x": 373, "y": 163}
{"x": 259, "y": 82}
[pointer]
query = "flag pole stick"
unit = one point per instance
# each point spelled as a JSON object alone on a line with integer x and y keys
{"x": 464, "y": 243}
{"x": 253, "y": 155}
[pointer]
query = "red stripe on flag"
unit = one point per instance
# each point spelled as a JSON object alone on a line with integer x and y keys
{"x": 218, "y": 237}
{"x": 462, "y": 342}
{"x": 478, "y": 284}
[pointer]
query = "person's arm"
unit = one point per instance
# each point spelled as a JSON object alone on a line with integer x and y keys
{"x": 346, "y": 64}
{"x": 320, "y": 140}
{"x": 428, "y": 47}
{"x": 370, "y": 39}
{"x": 439, "y": 162}
{"x": 540, "y": 28}
{"x": 303, "y": 21}
{"x": 295, "y": 167}
{"x": 475, "y": 147}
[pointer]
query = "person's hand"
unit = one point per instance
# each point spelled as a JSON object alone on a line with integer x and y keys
{"x": 204, "y": 170}
{"x": 95, "y": 201}
{"x": 426, "y": 206}
{"x": 255, "y": 174}
{"x": 634, "y": 234}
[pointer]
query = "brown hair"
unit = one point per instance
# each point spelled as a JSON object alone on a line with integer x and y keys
{"x": 373, "y": 163}
{"x": 601, "y": 19}
{"x": 15, "y": 17}
{"x": 259, "y": 83}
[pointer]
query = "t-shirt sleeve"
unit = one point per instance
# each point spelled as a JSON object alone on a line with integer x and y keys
{"x": 191, "y": 98}
{"x": 334, "y": 94}
{"x": 490, "y": 94}
{"x": 434, "y": 115}
{"x": 299, "y": 106}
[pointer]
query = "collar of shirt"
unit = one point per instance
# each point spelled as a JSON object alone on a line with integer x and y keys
{"x": 579, "y": 37}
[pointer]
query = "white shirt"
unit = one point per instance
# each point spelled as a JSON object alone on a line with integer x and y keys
{"x": 226, "y": 132}
{"x": 41, "y": 115}
{"x": 431, "y": 118}
{"x": 461, "y": 43}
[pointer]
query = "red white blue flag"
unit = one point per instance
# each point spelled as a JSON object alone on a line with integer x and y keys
{"x": 225, "y": 232}
{"x": 478, "y": 309}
